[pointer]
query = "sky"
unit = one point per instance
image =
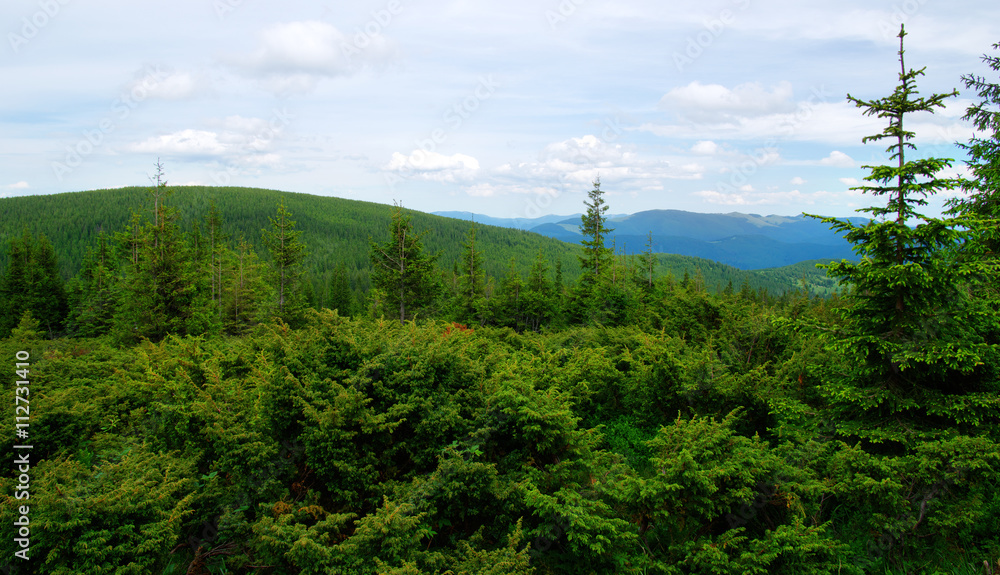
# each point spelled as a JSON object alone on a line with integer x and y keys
{"x": 510, "y": 109}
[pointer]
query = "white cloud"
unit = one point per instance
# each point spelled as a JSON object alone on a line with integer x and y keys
{"x": 705, "y": 148}
{"x": 849, "y": 181}
{"x": 838, "y": 159}
{"x": 797, "y": 181}
{"x": 176, "y": 86}
{"x": 482, "y": 190}
{"x": 294, "y": 56}
{"x": 184, "y": 143}
{"x": 815, "y": 118}
{"x": 715, "y": 103}
{"x": 749, "y": 197}
{"x": 485, "y": 190}
{"x": 433, "y": 166}
{"x": 22, "y": 185}
{"x": 236, "y": 140}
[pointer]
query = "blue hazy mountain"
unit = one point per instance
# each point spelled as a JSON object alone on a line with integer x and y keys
{"x": 745, "y": 241}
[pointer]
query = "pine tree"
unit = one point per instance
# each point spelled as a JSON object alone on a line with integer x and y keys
{"x": 161, "y": 286}
{"x": 539, "y": 296}
{"x": 908, "y": 325}
{"x": 32, "y": 283}
{"x": 647, "y": 263}
{"x": 287, "y": 254}
{"x": 984, "y": 152}
{"x": 471, "y": 279}
{"x": 341, "y": 298}
{"x": 245, "y": 293}
{"x": 15, "y": 283}
{"x": 94, "y": 291}
{"x": 217, "y": 248}
{"x": 508, "y": 308}
{"x": 401, "y": 270}
{"x": 596, "y": 257}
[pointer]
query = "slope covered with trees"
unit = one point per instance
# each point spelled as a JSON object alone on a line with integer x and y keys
{"x": 201, "y": 417}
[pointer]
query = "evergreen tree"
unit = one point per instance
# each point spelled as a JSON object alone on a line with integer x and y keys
{"x": 94, "y": 291}
{"x": 217, "y": 248}
{"x": 32, "y": 283}
{"x": 647, "y": 263}
{"x": 984, "y": 149}
{"x": 471, "y": 280}
{"x": 287, "y": 255}
{"x": 539, "y": 295}
{"x": 245, "y": 291}
{"x": 341, "y": 298}
{"x": 910, "y": 322}
{"x": 596, "y": 257}
{"x": 509, "y": 307}
{"x": 15, "y": 283}
{"x": 161, "y": 286}
{"x": 401, "y": 270}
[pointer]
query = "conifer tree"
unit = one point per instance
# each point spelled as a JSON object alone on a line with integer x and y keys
{"x": 246, "y": 292}
{"x": 984, "y": 149}
{"x": 161, "y": 287}
{"x": 401, "y": 270}
{"x": 217, "y": 248}
{"x": 93, "y": 296}
{"x": 539, "y": 295}
{"x": 287, "y": 254}
{"x": 596, "y": 257}
{"x": 908, "y": 325}
{"x": 647, "y": 263}
{"x": 471, "y": 279}
{"x": 32, "y": 283}
{"x": 341, "y": 298}
{"x": 508, "y": 308}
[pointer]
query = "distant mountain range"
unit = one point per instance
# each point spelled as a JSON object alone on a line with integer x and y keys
{"x": 745, "y": 241}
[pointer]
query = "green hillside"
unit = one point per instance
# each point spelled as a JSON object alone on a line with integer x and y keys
{"x": 334, "y": 230}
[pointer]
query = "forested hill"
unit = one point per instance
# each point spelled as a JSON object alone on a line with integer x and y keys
{"x": 335, "y": 231}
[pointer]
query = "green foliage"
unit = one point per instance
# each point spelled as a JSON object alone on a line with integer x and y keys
{"x": 657, "y": 428}
{"x": 287, "y": 254}
{"x": 32, "y": 283}
{"x": 402, "y": 270}
{"x": 595, "y": 256}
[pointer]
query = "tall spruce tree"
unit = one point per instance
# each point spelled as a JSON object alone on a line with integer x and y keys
{"x": 341, "y": 298}
{"x": 93, "y": 292}
{"x": 160, "y": 290}
{"x": 596, "y": 257}
{"x": 471, "y": 279}
{"x": 287, "y": 253}
{"x": 983, "y": 201}
{"x": 402, "y": 270}
{"x": 920, "y": 369}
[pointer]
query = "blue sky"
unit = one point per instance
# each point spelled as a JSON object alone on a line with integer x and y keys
{"x": 510, "y": 108}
